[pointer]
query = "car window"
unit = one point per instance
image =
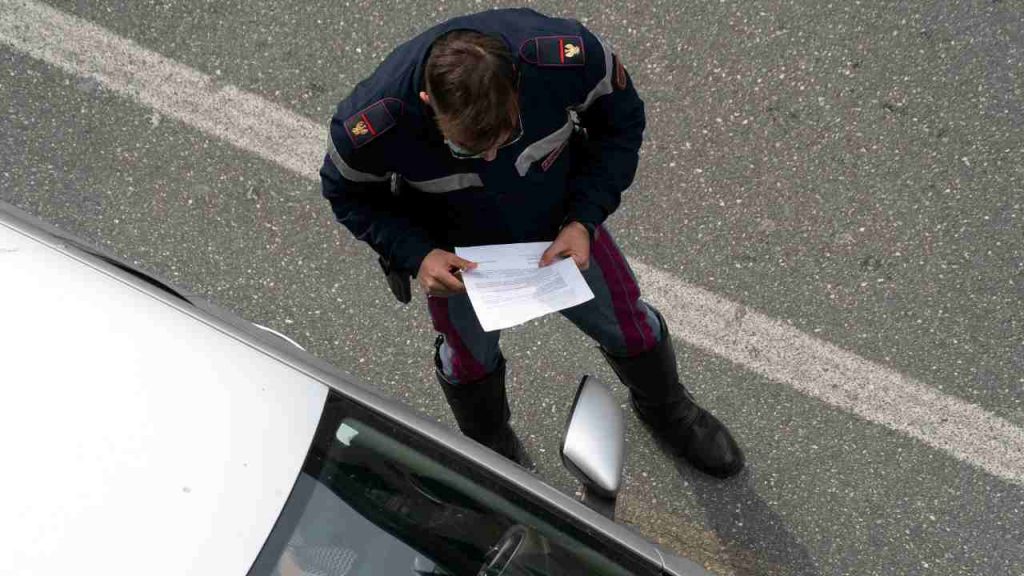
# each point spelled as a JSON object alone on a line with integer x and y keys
{"x": 374, "y": 498}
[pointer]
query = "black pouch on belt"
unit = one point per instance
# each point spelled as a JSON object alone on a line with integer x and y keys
{"x": 400, "y": 282}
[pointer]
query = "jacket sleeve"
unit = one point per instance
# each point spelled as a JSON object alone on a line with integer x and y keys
{"x": 613, "y": 114}
{"x": 358, "y": 186}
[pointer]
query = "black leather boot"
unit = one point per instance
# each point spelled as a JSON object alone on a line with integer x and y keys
{"x": 481, "y": 410}
{"x": 671, "y": 412}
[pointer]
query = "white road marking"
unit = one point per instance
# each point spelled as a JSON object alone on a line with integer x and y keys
{"x": 766, "y": 346}
{"x": 843, "y": 379}
{"x": 84, "y": 49}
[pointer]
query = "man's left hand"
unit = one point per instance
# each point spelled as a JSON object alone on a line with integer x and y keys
{"x": 574, "y": 242}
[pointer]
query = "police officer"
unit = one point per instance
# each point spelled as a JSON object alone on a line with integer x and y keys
{"x": 499, "y": 127}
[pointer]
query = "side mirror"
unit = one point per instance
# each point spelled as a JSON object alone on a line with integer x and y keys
{"x": 594, "y": 445}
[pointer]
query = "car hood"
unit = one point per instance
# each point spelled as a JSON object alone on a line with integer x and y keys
{"x": 135, "y": 437}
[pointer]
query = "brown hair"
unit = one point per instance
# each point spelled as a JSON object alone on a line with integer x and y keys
{"x": 471, "y": 80}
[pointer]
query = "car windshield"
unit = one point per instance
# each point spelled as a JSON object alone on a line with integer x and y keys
{"x": 373, "y": 498}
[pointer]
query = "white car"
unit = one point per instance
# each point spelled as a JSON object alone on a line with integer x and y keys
{"x": 143, "y": 431}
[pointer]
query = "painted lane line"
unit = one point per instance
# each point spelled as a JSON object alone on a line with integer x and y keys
{"x": 696, "y": 316}
{"x": 84, "y": 49}
{"x": 821, "y": 370}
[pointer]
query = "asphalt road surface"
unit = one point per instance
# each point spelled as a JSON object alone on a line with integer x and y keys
{"x": 829, "y": 209}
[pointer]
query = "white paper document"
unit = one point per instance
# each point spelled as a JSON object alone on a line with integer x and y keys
{"x": 508, "y": 287}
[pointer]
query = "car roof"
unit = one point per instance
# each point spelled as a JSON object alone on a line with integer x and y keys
{"x": 274, "y": 424}
{"x": 134, "y": 435}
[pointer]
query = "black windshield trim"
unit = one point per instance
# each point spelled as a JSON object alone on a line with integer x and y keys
{"x": 125, "y": 267}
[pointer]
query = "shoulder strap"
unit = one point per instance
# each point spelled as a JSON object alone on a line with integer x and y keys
{"x": 554, "y": 51}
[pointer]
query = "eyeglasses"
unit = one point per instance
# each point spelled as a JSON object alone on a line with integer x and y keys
{"x": 463, "y": 154}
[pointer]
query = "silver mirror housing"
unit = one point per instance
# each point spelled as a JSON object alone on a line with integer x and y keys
{"x": 594, "y": 445}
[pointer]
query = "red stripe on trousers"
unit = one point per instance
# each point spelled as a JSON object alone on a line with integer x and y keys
{"x": 465, "y": 368}
{"x": 625, "y": 295}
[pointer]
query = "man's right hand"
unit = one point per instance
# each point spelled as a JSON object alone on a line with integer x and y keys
{"x": 439, "y": 273}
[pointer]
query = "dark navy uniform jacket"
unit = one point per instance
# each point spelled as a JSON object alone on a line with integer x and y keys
{"x": 567, "y": 76}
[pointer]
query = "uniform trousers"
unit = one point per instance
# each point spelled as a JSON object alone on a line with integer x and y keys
{"x": 616, "y": 319}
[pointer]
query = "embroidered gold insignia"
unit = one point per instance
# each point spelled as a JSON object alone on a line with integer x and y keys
{"x": 571, "y": 50}
{"x": 360, "y": 129}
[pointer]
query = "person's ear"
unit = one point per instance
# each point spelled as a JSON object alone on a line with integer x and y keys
{"x": 425, "y": 98}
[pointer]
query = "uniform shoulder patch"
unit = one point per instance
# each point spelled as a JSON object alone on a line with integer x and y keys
{"x": 370, "y": 122}
{"x": 556, "y": 51}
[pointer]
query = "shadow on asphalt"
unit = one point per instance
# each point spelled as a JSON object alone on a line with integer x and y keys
{"x": 755, "y": 536}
